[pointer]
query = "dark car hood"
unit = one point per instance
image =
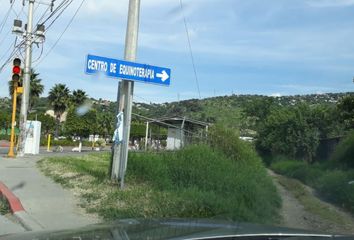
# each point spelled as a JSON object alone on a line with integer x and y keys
{"x": 173, "y": 229}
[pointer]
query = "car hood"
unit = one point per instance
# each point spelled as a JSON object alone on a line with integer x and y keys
{"x": 173, "y": 229}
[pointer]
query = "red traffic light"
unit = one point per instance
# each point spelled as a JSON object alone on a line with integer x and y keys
{"x": 16, "y": 70}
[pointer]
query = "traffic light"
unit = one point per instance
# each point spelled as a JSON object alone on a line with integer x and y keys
{"x": 16, "y": 70}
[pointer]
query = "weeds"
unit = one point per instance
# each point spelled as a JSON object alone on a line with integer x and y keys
{"x": 224, "y": 180}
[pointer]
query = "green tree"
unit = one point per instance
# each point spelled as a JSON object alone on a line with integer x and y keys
{"x": 326, "y": 118}
{"x": 346, "y": 110}
{"x": 105, "y": 122}
{"x": 36, "y": 88}
{"x": 256, "y": 110}
{"x": 81, "y": 125}
{"x": 59, "y": 99}
{"x": 48, "y": 123}
{"x": 78, "y": 97}
{"x": 289, "y": 131}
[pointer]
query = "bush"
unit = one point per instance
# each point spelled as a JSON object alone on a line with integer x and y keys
{"x": 207, "y": 183}
{"x": 300, "y": 170}
{"x": 335, "y": 187}
{"x": 223, "y": 181}
{"x": 344, "y": 152}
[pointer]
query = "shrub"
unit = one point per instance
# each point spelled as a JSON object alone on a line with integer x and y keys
{"x": 205, "y": 182}
{"x": 335, "y": 187}
{"x": 300, "y": 170}
{"x": 344, "y": 152}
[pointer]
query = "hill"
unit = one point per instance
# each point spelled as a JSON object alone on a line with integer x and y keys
{"x": 226, "y": 110}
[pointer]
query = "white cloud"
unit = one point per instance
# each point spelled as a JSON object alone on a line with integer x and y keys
{"x": 275, "y": 95}
{"x": 330, "y": 3}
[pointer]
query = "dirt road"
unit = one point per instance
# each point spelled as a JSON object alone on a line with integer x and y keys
{"x": 307, "y": 211}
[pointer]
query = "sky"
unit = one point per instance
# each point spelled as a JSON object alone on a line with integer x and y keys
{"x": 273, "y": 47}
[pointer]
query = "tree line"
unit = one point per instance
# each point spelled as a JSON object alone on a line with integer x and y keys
{"x": 295, "y": 131}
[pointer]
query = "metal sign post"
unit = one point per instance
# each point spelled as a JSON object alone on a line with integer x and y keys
{"x": 129, "y": 71}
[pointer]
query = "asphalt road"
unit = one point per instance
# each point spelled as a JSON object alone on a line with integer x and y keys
{"x": 66, "y": 150}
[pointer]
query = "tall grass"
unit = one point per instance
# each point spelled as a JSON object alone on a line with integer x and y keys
{"x": 216, "y": 185}
{"x": 224, "y": 179}
{"x": 332, "y": 184}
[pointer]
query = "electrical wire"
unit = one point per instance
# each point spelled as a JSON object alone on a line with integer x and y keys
{"x": 166, "y": 124}
{"x": 9, "y": 32}
{"x": 6, "y": 35}
{"x": 61, "y": 35}
{"x": 6, "y": 16}
{"x": 190, "y": 48}
{"x": 40, "y": 55}
{"x": 13, "y": 53}
{"x": 144, "y": 99}
{"x": 43, "y": 15}
{"x": 62, "y": 4}
{"x": 56, "y": 18}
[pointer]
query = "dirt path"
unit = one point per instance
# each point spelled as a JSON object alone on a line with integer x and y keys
{"x": 306, "y": 211}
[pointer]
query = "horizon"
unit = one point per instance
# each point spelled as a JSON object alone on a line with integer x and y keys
{"x": 210, "y": 97}
{"x": 273, "y": 48}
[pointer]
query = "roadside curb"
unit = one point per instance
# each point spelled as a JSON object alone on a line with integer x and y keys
{"x": 18, "y": 211}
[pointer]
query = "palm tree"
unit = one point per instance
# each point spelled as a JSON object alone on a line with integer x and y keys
{"x": 78, "y": 97}
{"x": 59, "y": 98}
{"x": 36, "y": 88}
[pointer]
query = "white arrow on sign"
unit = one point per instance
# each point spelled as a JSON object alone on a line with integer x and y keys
{"x": 164, "y": 76}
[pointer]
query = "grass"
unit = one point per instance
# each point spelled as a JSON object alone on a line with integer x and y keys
{"x": 331, "y": 184}
{"x": 311, "y": 203}
{"x": 196, "y": 182}
{"x": 4, "y": 206}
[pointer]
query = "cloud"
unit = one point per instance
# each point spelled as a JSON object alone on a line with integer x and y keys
{"x": 330, "y": 3}
{"x": 275, "y": 95}
{"x": 307, "y": 88}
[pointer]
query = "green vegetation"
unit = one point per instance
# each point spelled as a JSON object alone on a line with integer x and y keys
{"x": 311, "y": 203}
{"x": 344, "y": 153}
{"x": 59, "y": 99}
{"x": 197, "y": 182}
{"x": 333, "y": 185}
{"x": 4, "y": 206}
{"x": 333, "y": 180}
{"x": 245, "y": 113}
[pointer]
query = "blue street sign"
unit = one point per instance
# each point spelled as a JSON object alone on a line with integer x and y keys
{"x": 128, "y": 70}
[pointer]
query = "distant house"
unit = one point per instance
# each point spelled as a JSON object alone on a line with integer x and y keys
{"x": 181, "y": 131}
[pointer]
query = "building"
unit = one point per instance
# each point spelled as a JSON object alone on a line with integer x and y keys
{"x": 181, "y": 131}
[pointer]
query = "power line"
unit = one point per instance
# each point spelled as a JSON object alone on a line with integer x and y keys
{"x": 13, "y": 53}
{"x": 153, "y": 120}
{"x": 190, "y": 48}
{"x": 55, "y": 10}
{"x": 43, "y": 15}
{"x": 8, "y": 33}
{"x": 51, "y": 24}
{"x": 144, "y": 99}
{"x": 6, "y": 16}
{"x": 61, "y": 35}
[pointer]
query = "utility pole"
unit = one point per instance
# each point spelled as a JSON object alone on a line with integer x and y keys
{"x": 120, "y": 151}
{"x": 26, "y": 80}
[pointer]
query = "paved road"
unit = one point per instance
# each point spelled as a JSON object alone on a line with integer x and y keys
{"x": 51, "y": 206}
{"x": 43, "y": 150}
